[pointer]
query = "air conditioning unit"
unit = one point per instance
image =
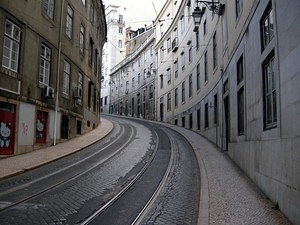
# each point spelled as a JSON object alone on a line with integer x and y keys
{"x": 48, "y": 92}
{"x": 77, "y": 92}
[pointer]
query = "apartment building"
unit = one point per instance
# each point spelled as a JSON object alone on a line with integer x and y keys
{"x": 114, "y": 49}
{"x": 132, "y": 81}
{"x": 50, "y": 71}
{"x": 233, "y": 79}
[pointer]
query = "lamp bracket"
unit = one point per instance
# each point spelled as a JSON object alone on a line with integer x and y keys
{"x": 215, "y": 6}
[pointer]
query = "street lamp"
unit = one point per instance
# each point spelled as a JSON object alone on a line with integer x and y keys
{"x": 215, "y": 6}
{"x": 197, "y": 15}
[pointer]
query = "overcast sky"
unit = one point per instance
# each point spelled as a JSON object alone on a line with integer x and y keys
{"x": 139, "y": 12}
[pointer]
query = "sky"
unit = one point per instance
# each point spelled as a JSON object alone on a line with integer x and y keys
{"x": 139, "y": 12}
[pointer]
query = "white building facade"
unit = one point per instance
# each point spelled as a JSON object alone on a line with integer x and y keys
{"x": 132, "y": 82}
{"x": 114, "y": 49}
{"x": 235, "y": 80}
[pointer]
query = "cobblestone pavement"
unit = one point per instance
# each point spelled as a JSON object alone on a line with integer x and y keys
{"x": 178, "y": 201}
{"x": 61, "y": 206}
{"x": 228, "y": 196}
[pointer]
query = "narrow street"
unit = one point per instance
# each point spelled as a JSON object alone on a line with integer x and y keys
{"x": 100, "y": 184}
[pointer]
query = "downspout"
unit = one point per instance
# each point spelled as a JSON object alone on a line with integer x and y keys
{"x": 58, "y": 73}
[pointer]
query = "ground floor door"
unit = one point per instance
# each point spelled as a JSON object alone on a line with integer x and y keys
{"x": 41, "y": 127}
{"x": 7, "y": 128}
{"x": 226, "y": 123}
{"x": 161, "y": 111}
{"x": 64, "y": 127}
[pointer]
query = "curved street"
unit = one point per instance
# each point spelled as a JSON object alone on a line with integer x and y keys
{"x": 141, "y": 172}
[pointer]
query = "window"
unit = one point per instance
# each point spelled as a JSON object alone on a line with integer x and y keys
{"x": 176, "y": 97}
{"x": 92, "y": 12}
{"x": 151, "y": 92}
{"x": 66, "y": 80}
{"x": 91, "y": 47}
{"x": 205, "y": 67}
{"x": 133, "y": 82}
{"x": 169, "y": 45}
{"x": 182, "y": 20}
{"x": 169, "y": 102}
{"x": 169, "y": 75}
{"x": 80, "y": 81}
{"x": 81, "y": 39}
{"x": 162, "y": 53}
{"x": 189, "y": 9}
{"x": 270, "y": 104}
{"x": 176, "y": 68}
{"x": 190, "y": 85}
{"x": 45, "y": 63}
{"x": 49, "y": 8}
{"x": 182, "y": 61}
{"x": 198, "y": 119}
{"x": 267, "y": 27}
{"x": 121, "y": 19}
{"x": 238, "y": 8}
{"x": 240, "y": 96}
{"x": 216, "y": 108}
{"x": 161, "y": 28}
{"x": 239, "y": 70}
{"x": 204, "y": 28}
{"x": 183, "y": 91}
{"x": 198, "y": 77}
{"x": 11, "y": 46}
{"x": 191, "y": 120}
{"x": 215, "y": 56}
{"x": 120, "y": 30}
{"x": 69, "y": 22}
{"x": 190, "y": 51}
{"x": 161, "y": 81}
{"x": 206, "y": 118}
{"x": 120, "y": 44}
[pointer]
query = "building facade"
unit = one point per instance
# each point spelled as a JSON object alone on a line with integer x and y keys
{"x": 114, "y": 49}
{"x": 50, "y": 71}
{"x": 132, "y": 81}
{"x": 235, "y": 80}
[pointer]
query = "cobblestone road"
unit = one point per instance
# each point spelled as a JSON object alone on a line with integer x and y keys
{"x": 178, "y": 202}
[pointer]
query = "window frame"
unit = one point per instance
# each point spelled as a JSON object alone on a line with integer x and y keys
{"x": 48, "y": 8}
{"x": 69, "y": 21}
{"x": 66, "y": 78}
{"x": 270, "y": 91}
{"x": 44, "y": 78}
{"x": 13, "y": 48}
{"x": 266, "y": 36}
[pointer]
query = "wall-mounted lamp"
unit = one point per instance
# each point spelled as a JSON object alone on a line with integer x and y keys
{"x": 215, "y": 6}
{"x": 197, "y": 15}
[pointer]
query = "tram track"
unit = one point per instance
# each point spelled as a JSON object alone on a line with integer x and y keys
{"x": 119, "y": 187}
{"x": 5, "y": 205}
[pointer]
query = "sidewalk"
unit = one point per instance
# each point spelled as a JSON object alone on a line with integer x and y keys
{"x": 20, "y": 163}
{"x": 227, "y": 195}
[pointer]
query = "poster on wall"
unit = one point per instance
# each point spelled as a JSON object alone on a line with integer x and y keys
{"x": 41, "y": 127}
{"x": 7, "y": 128}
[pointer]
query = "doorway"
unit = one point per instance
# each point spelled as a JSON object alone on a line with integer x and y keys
{"x": 226, "y": 122}
{"x": 64, "y": 127}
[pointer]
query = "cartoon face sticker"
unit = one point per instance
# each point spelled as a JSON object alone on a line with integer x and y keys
{"x": 39, "y": 129}
{"x": 4, "y": 135}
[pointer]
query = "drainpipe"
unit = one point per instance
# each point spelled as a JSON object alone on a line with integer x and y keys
{"x": 58, "y": 72}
